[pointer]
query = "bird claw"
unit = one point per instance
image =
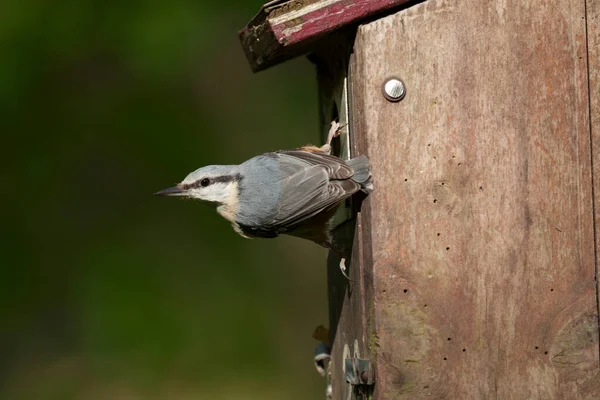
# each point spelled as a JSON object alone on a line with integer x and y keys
{"x": 334, "y": 131}
{"x": 343, "y": 268}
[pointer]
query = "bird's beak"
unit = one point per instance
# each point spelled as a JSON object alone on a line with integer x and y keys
{"x": 172, "y": 191}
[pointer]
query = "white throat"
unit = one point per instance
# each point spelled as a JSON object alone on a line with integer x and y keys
{"x": 225, "y": 195}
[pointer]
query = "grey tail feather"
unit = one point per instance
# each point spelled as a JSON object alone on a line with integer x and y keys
{"x": 362, "y": 172}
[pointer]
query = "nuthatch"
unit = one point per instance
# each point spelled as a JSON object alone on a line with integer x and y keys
{"x": 292, "y": 192}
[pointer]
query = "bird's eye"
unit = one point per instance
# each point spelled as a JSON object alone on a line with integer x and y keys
{"x": 205, "y": 182}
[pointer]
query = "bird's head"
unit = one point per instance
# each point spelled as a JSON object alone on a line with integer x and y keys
{"x": 215, "y": 183}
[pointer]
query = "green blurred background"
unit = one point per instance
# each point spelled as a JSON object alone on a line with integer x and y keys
{"x": 108, "y": 292}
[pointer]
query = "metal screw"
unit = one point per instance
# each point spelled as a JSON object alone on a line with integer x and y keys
{"x": 393, "y": 89}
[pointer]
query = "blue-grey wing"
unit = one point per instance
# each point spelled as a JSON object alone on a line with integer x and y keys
{"x": 336, "y": 167}
{"x": 311, "y": 183}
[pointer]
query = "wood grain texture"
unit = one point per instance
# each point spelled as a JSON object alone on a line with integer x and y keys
{"x": 348, "y": 306}
{"x": 593, "y": 59}
{"x": 286, "y": 29}
{"x": 350, "y": 311}
{"x": 481, "y": 224}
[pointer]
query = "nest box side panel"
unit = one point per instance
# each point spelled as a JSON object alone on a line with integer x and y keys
{"x": 481, "y": 222}
{"x": 349, "y": 299}
{"x": 593, "y": 35}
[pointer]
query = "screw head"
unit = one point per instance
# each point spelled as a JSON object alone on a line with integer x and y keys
{"x": 393, "y": 89}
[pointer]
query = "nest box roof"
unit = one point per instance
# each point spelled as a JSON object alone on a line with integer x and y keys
{"x": 284, "y": 29}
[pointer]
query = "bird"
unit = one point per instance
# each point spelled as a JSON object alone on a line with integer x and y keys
{"x": 293, "y": 192}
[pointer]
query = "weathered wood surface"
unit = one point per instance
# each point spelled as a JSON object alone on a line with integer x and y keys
{"x": 593, "y": 34}
{"x": 286, "y": 29}
{"x": 347, "y": 312}
{"x": 480, "y": 229}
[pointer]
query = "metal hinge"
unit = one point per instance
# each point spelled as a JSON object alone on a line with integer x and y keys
{"x": 359, "y": 371}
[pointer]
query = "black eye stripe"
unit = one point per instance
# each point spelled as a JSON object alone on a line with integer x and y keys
{"x": 226, "y": 178}
{"x": 216, "y": 179}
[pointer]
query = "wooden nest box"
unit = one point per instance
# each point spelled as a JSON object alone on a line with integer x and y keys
{"x": 474, "y": 264}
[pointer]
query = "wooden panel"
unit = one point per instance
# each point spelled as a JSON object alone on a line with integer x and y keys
{"x": 348, "y": 305}
{"x": 286, "y": 29}
{"x": 593, "y": 35}
{"x": 481, "y": 222}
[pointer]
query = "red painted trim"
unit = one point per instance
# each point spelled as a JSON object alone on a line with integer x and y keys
{"x": 330, "y": 18}
{"x": 274, "y": 36}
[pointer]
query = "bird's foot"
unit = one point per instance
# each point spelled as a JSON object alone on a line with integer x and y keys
{"x": 343, "y": 268}
{"x": 341, "y": 254}
{"x": 334, "y": 131}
